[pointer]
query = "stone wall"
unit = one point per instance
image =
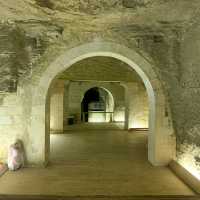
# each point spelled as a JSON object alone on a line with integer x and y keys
{"x": 139, "y": 106}
{"x": 11, "y": 127}
{"x": 188, "y": 126}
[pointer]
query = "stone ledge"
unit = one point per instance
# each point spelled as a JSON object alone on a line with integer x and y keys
{"x": 186, "y": 176}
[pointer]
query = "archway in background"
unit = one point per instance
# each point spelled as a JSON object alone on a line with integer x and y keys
{"x": 161, "y": 140}
{"x": 97, "y": 105}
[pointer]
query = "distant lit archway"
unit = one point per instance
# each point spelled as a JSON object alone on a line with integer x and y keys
{"x": 97, "y": 105}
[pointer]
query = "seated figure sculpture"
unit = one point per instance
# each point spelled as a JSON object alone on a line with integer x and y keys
{"x": 16, "y": 156}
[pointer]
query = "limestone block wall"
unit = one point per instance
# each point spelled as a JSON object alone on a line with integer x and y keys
{"x": 56, "y": 106}
{"x": 75, "y": 91}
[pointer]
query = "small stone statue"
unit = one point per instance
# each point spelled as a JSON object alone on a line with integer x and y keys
{"x": 16, "y": 156}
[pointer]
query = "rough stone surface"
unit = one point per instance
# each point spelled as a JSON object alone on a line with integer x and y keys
{"x": 135, "y": 3}
{"x": 189, "y": 120}
{"x": 29, "y": 27}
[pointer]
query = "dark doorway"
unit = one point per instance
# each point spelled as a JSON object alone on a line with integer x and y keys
{"x": 94, "y": 100}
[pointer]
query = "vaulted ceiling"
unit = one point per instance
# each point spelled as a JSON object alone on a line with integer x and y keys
{"x": 101, "y": 69}
{"x": 29, "y": 27}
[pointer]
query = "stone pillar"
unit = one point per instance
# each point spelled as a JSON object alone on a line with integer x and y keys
{"x": 131, "y": 103}
{"x": 66, "y": 104}
{"x": 74, "y": 100}
{"x": 56, "y": 106}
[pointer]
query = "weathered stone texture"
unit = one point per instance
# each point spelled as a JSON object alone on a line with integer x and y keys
{"x": 188, "y": 121}
{"x": 10, "y": 122}
{"x": 89, "y": 6}
{"x": 135, "y": 3}
{"x": 69, "y": 23}
{"x": 20, "y": 49}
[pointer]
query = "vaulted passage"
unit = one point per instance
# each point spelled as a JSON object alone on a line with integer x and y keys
{"x": 100, "y": 134}
{"x": 103, "y": 129}
{"x": 83, "y": 93}
{"x": 82, "y": 100}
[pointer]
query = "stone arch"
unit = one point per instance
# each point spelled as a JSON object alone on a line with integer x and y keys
{"x": 161, "y": 140}
{"x": 111, "y": 97}
{"x": 96, "y": 85}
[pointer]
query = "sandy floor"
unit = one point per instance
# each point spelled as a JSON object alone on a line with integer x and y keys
{"x": 96, "y": 162}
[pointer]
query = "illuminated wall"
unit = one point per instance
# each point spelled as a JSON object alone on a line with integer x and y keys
{"x": 119, "y": 114}
{"x": 137, "y": 109}
{"x": 56, "y": 106}
{"x": 189, "y": 159}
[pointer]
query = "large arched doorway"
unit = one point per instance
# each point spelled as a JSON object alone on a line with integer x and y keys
{"x": 161, "y": 140}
